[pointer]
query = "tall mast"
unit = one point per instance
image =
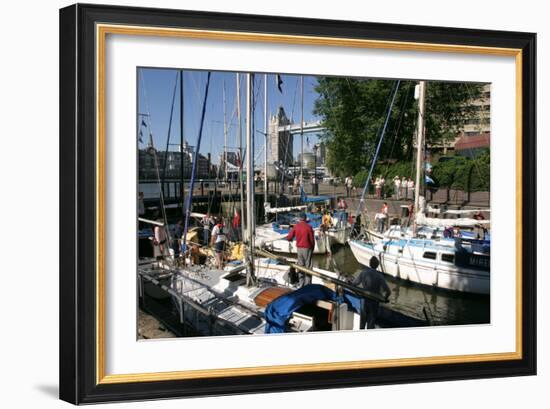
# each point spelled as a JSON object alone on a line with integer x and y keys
{"x": 266, "y": 126}
{"x": 224, "y": 135}
{"x": 419, "y": 142}
{"x": 240, "y": 130}
{"x": 249, "y": 179}
{"x": 302, "y": 133}
{"x": 182, "y": 162}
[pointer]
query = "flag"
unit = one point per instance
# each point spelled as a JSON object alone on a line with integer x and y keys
{"x": 140, "y": 136}
{"x": 143, "y": 123}
{"x": 279, "y": 82}
{"x": 307, "y": 140}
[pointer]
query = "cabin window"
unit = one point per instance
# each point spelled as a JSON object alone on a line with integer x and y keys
{"x": 449, "y": 258}
{"x": 430, "y": 255}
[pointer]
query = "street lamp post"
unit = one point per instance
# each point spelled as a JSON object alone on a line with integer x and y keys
{"x": 315, "y": 184}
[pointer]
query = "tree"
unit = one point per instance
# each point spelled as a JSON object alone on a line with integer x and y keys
{"x": 354, "y": 110}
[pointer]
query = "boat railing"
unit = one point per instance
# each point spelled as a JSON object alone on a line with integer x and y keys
{"x": 340, "y": 283}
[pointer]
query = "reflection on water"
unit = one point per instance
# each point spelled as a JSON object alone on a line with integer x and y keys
{"x": 446, "y": 308}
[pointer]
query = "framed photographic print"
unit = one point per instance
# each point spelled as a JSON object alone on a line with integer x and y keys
{"x": 257, "y": 203}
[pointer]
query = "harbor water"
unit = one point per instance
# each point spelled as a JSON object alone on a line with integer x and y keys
{"x": 445, "y": 307}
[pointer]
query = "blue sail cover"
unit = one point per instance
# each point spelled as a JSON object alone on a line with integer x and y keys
{"x": 279, "y": 311}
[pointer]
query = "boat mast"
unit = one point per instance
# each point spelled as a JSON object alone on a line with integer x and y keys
{"x": 240, "y": 130}
{"x": 249, "y": 179}
{"x": 182, "y": 173}
{"x": 302, "y": 133}
{"x": 266, "y": 120}
{"x": 419, "y": 142}
{"x": 224, "y": 136}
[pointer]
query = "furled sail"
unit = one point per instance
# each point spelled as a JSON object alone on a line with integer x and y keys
{"x": 422, "y": 220}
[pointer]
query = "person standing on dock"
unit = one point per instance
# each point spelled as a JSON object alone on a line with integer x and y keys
{"x": 236, "y": 224}
{"x": 381, "y": 218}
{"x": 410, "y": 189}
{"x": 141, "y": 205}
{"x": 397, "y": 187}
{"x": 373, "y": 281}
{"x": 206, "y": 223}
{"x": 342, "y": 211}
{"x": 159, "y": 241}
{"x": 178, "y": 238}
{"x": 305, "y": 243}
{"x": 218, "y": 241}
{"x": 349, "y": 184}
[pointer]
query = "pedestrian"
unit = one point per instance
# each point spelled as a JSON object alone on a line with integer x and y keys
{"x": 381, "y": 218}
{"x": 236, "y": 224}
{"x": 305, "y": 243}
{"x": 382, "y": 183}
{"x": 407, "y": 214}
{"x": 356, "y": 230}
{"x": 349, "y": 185}
{"x": 397, "y": 187}
{"x": 141, "y": 205}
{"x": 479, "y": 229}
{"x": 159, "y": 240}
{"x": 326, "y": 221}
{"x": 404, "y": 188}
{"x": 377, "y": 188}
{"x": 342, "y": 205}
{"x": 314, "y": 186}
{"x": 178, "y": 236}
{"x": 141, "y": 211}
{"x": 410, "y": 188}
{"x": 342, "y": 211}
{"x": 206, "y": 223}
{"x": 218, "y": 241}
{"x": 373, "y": 281}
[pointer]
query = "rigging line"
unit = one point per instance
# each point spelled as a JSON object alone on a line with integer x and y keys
{"x": 287, "y": 141}
{"x": 194, "y": 166}
{"x": 388, "y": 102}
{"x": 169, "y": 130}
{"x": 398, "y": 125}
{"x": 377, "y": 149}
{"x": 155, "y": 158}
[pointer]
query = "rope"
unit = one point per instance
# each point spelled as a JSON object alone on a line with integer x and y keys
{"x": 155, "y": 159}
{"x": 194, "y": 168}
{"x": 377, "y": 149}
{"x": 169, "y": 131}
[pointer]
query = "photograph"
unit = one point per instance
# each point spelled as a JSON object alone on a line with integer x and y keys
{"x": 295, "y": 204}
{"x": 289, "y": 203}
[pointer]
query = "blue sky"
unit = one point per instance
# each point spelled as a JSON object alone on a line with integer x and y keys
{"x": 156, "y": 88}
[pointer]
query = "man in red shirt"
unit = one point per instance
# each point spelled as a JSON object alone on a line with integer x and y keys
{"x": 305, "y": 243}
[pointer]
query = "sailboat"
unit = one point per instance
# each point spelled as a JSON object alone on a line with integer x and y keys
{"x": 248, "y": 297}
{"x": 453, "y": 263}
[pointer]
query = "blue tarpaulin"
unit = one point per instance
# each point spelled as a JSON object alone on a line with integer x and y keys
{"x": 279, "y": 311}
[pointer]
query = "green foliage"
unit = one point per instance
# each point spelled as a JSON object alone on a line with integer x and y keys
{"x": 462, "y": 173}
{"x": 354, "y": 110}
{"x": 360, "y": 178}
{"x": 458, "y": 173}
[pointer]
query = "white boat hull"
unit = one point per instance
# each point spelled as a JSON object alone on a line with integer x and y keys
{"x": 428, "y": 273}
{"x": 266, "y": 238}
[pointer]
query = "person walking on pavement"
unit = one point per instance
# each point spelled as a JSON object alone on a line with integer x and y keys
{"x": 305, "y": 243}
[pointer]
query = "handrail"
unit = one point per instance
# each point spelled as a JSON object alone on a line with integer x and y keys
{"x": 341, "y": 283}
